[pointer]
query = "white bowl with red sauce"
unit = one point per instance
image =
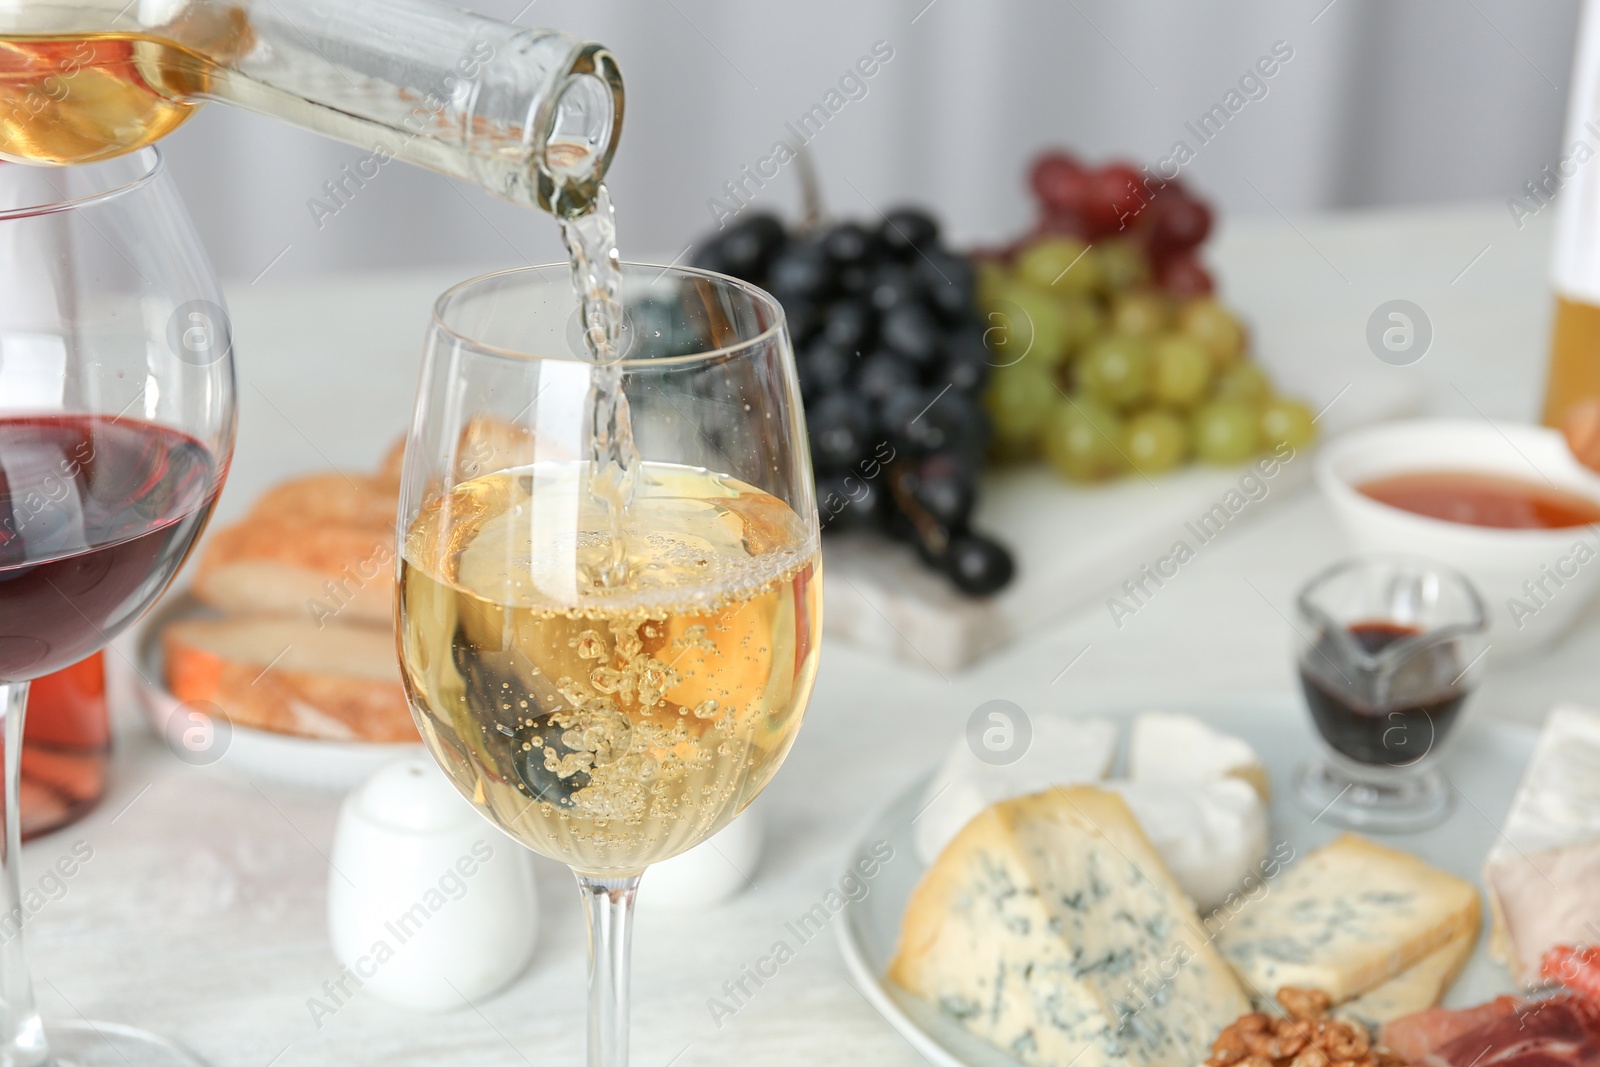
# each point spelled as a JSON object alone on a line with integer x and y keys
{"x": 1504, "y": 503}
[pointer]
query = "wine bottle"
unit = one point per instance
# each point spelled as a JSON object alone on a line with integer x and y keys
{"x": 532, "y": 115}
{"x": 1574, "y": 186}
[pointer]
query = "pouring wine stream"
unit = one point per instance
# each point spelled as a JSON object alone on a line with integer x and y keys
{"x": 591, "y": 239}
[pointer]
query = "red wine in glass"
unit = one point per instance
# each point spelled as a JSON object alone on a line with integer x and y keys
{"x": 97, "y": 513}
{"x": 1388, "y": 719}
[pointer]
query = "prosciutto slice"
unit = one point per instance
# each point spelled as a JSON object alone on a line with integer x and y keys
{"x": 1414, "y": 1036}
{"x": 1563, "y": 1031}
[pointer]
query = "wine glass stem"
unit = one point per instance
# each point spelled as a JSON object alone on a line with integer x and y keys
{"x": 608, "y": 907}
{"x": 22, "y": 1041}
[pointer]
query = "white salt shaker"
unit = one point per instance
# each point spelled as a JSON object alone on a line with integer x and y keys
{"x": 711, "y": 872}
{"x": 429, "y": 906}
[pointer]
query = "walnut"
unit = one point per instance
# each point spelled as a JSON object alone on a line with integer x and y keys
{"x": 1307, "y": 1038}
{"x": 1304, "y": 1003}
{"x": 1228, "y": 1048}
{"x": 1347, "y": 1046}
{"x": 1289, "y": 1036}
{"x": 1310, "y": 1056}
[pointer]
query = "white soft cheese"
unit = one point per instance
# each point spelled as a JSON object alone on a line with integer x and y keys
{"x": 1062, "y": 751}
{"x": 1210, "y": 835}
{"x": 1169, "y": 748}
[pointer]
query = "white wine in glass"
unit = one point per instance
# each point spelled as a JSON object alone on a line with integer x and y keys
{"x": 609, "y": 685}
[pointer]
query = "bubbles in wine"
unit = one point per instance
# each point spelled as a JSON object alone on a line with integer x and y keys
{"x": 610, "y": 726}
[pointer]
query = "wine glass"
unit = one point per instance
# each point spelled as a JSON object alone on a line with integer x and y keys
{"x": 608, "y": 716}
{"x": 116, "y": 427}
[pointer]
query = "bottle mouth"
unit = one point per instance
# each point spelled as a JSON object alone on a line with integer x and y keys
{"x": 581, "y": 138}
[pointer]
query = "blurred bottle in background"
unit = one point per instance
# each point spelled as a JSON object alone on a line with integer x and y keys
{"x": 1575, "y": 266}
{"x": 66, "y": 746}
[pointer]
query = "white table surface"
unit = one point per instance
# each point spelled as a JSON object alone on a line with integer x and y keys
{"x": 201, "y": 913}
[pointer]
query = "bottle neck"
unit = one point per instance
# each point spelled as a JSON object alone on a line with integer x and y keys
{"x": 532, "y": 115}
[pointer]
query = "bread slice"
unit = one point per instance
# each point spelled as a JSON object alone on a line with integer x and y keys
{"x": 1050, "y": 928}
{"x": 345, "y": 499}
{"x": 338, "y": 681}
{"x": 1415, "y": 989}
{"x": 1345, "y": 919}
{"x": 323, "y": 569}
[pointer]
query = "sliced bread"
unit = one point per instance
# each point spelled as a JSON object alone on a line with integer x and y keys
{"x": 320, "y": 569}
{"x": 339, "y": 681}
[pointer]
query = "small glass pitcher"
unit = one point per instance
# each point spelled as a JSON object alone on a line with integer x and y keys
{"x": 1388, "y": 649}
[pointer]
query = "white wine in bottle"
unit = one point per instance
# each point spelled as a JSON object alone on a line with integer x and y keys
{"x": 609, "y": 725}
{"x": 531, "y": 115}
{"x": 1574, "y": 367}
{"x": 83, "y": 99}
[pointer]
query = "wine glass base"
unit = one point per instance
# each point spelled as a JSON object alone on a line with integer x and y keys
{"x": 92, "y": 1044}
{"x": 1395, "y": 805}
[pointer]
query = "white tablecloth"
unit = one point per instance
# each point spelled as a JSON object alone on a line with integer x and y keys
{"x": 201, "y": 912}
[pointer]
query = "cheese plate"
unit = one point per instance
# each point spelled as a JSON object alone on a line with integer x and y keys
{"x": 1484, "y": 764}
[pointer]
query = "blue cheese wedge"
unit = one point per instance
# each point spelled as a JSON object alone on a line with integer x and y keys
{"x": 1345, "y": 919}
{"x": 1050, "y": 927}
{"x": 1417, "y": 988}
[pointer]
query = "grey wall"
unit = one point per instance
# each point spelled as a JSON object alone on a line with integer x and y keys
{"x": 1383, "y": 102}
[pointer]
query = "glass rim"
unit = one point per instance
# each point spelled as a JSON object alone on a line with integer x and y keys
{"x": 157, "y": 164}
{"x": 779, "y": 323}
{"x": 1477, "y": 625}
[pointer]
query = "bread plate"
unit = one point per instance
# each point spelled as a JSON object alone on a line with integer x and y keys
{"x": 1485, "y": 763}
{"x": 264, "y": 754}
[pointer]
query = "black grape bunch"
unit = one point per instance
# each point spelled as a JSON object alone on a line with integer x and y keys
{"x": 892, "y": 364}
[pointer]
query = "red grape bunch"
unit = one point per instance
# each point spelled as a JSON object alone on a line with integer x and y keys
{"x": 1111, "y": 353}
{"x": 1154, "y": 216}
{"x": 892, "y": 363}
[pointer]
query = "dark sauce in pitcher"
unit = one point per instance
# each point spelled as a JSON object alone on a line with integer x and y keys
{"x": 1390, "y": 726}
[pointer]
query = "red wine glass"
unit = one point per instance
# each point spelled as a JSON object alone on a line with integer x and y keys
{"x": 116, "y": 428}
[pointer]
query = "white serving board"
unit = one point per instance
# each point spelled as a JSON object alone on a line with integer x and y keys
{"x": 1484, "y": 763}
{"x": 1072, "y": 544}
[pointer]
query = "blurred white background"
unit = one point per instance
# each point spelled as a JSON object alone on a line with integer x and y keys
{"x": 1383, "y": 102}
